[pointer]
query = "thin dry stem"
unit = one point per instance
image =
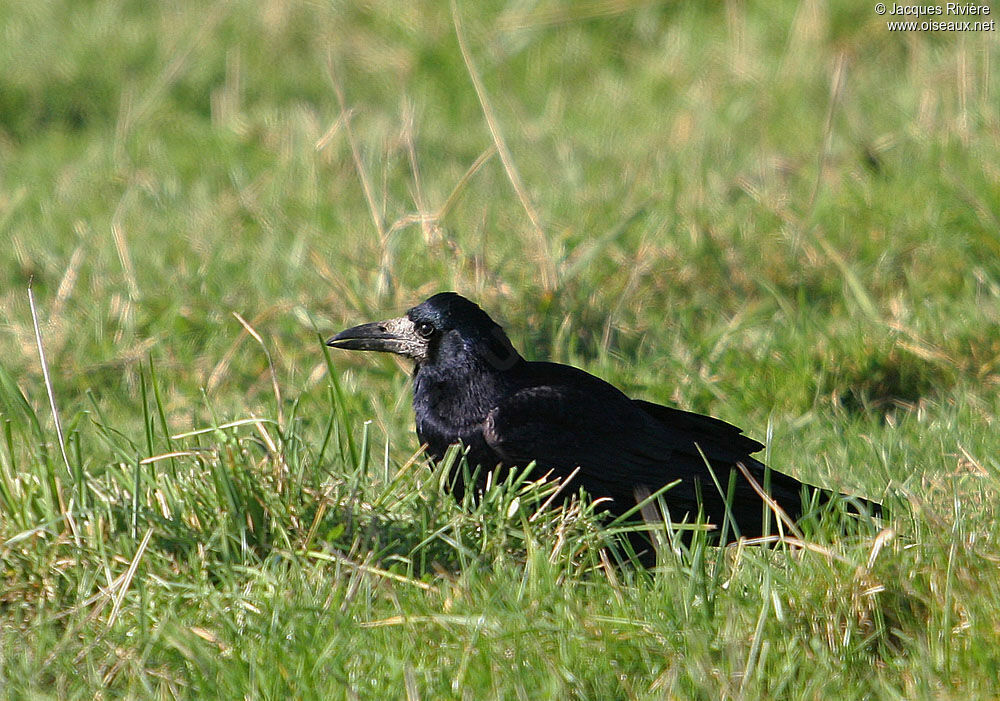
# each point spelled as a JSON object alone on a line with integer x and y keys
{"x": 48, "y": 380}
{"x": 270, "y": 364}
{"x": 359, "y": 166}
{"x": 547, "y": 267}
{"x": 771, "y": 503}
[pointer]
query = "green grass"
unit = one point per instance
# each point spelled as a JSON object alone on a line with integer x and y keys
{"x": 782, "y": 215}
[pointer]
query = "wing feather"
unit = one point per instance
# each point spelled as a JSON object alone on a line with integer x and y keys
{"x": 624, "y": 445}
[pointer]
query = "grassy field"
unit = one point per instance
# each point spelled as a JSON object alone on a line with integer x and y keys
{"x": 778, "y": 213}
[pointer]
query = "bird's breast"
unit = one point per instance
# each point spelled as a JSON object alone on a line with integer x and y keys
{"x": 451, "y": 405}
{"x": 439, "y": 432}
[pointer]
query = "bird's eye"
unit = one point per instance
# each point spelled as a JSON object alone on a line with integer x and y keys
{"x": 425, "y": 329}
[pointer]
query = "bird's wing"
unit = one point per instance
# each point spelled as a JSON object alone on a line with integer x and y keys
{"x": 723, "y": 443}
{"x": 710, "y": 433}
{"x": 619, "y": 447}
{"x": 563, "y": 428}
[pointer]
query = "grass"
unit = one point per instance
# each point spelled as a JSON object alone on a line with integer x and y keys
{"x": 782, "y": 215}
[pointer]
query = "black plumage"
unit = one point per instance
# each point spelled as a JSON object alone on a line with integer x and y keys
{"x": 471, "y": 386}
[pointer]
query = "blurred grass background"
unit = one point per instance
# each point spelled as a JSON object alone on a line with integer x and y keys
{"x": 780, "y": 213}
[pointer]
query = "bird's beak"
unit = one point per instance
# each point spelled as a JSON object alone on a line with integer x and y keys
{"x": 391, "y": 336}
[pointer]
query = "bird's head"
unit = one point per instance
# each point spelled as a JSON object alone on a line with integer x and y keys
{"x": 446, "y": 328}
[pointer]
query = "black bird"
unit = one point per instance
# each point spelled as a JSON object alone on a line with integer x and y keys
{"x": 471, "y": 386}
